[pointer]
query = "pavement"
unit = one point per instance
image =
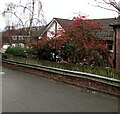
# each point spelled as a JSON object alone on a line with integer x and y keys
{"x": 24, "y": 92}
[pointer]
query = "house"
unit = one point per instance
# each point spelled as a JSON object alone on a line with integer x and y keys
{"x": 18, "y": 37}
{"x": 58, "y": 23}
{"x": 53, "y": 26}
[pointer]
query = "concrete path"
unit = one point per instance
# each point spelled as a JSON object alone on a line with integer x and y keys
{"x": 24, "y": 92}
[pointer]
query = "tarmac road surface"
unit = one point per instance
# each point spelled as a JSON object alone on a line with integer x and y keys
{"x": 24, "y": 92}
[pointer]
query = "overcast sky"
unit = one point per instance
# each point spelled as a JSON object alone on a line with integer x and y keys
{"x": 66, "y": 9}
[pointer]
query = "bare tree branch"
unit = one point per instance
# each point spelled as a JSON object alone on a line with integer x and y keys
{"x": 104, "y": 3}
{"x": 14, "y": 15}
{"x": 29, "y": 9}
{"x": 106, "y": 8}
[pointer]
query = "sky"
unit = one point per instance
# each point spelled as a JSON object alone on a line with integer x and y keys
{"x": 66, "y": 9}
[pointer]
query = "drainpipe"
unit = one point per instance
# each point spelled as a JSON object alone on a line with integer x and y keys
{"x": 114, "y": 50}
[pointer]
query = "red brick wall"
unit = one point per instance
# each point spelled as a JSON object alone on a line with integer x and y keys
{"x": 118, "y": 48}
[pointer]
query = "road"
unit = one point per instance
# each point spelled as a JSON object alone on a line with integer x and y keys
{"x": 24, "y": 92}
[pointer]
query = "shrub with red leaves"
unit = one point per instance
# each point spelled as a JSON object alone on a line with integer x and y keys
{"x": 79, "y": 42}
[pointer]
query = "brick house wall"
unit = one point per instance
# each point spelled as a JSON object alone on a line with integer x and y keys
{"x": 118, "y": 48}
{"x": 116, "y": 43}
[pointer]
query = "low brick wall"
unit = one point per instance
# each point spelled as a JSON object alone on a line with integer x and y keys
{"x": 98, "y": 86}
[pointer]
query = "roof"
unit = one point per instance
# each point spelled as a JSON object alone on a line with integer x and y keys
{"x": 64, "y": 21}
{"x": 36, "y": 31}
{"x": 116, "y": 22}
{"x": 105, "y": 23}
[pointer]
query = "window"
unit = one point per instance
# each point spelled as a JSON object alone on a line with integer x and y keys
{"x": 20, "y": 37}
{"x": 14, "y": 37}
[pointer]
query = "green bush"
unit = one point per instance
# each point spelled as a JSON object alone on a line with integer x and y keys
{"x": 39, "y": 53}
{"x": 31, "y": 53}
{"x": 15, "y": 51}
{"x": 5, "y": 56}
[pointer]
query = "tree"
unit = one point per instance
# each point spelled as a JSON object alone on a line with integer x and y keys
{"x": 106, "y": 3}
{"x": 24, "y": 15}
